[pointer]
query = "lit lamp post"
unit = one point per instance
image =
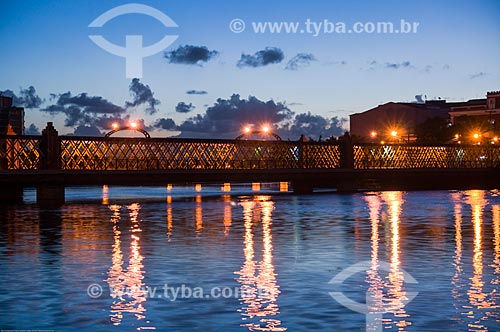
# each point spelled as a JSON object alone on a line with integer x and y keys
{"x": 265, "y": 130}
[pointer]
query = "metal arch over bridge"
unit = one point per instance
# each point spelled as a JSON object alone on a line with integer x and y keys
{"x": 134, "y": 128}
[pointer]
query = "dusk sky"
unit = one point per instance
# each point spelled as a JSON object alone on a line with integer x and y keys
{"x": 454, "y": 55}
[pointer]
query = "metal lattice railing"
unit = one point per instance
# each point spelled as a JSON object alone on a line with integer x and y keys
{"x": 407, "y": 156}
{"x": 164, "y": 154}
{"x": 19, "y": 152}
{"x": 92, "y": 153}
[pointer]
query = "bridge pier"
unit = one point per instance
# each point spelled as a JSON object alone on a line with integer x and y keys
{"x": 302, "y": 188}
{"x": 50, "y": 196}
{"x": 11, "y": 195}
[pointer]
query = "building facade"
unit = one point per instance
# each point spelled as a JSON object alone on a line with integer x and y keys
{"x": 398, "y": 121}
{"x": 11, "y": 115}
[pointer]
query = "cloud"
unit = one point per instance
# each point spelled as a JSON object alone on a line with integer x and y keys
{"x": 269, "y": 55}
{"x": 142, "y": 94}
{"x": 226, "y": 116}
{"x": 165, "y": 123}
{"x": 196, "y": 92}
{"x": 182, "y": 107}
{"x": 446, "y": 67}
{"x": 85, "y": 110}
{"x": 478, "y": 75}
{"x": 404, "y": 64}
{"x": 190, "y": 55}
{"x": 83, "y": 130}
{"x": 299, "y": 61}
{"x": 313, "y": 126}
{"x": 32, "y": 130}
{"x": 27, "y": 98}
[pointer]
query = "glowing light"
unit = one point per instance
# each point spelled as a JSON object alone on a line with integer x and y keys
{"x": 382, "y": 142}
{"x": 169, "y": 187}
{"x": 256, "y": 186}
{"x": 476, "y": 135}
{"x": 284, "y": 186}
{"x": 115, "y": 125}
{"x": 105, "y": 195}
{"x": 394, "y": 133}
{"x": 226, "y": 187}
{"x": 247, "y": 130}
{"x": 373, "y": 134}
{"x": 265, "y": 129}
{"x": 133, "y": 125}
{"x": 457, "y": 136}
{"x": 197, "y": 187}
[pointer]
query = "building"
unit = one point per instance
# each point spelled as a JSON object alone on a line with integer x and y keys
{"x": 11, "y": 115}
{"x": 487, "y": 109}
{"x": 395, "y": 121}
{"x": 398, "y": 121}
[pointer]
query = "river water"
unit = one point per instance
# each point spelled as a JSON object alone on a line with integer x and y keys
{"x": 128, "y": 259}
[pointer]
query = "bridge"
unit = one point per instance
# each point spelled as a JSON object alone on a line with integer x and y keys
{"x": 50, "y": 162}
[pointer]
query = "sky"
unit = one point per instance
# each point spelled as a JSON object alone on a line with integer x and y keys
{"x": 212, "y": 81}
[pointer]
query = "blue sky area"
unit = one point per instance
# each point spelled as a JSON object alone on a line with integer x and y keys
{"x": 453, "y": 55}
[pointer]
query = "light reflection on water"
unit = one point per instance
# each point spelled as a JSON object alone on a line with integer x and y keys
{"x": 279, "y": 252}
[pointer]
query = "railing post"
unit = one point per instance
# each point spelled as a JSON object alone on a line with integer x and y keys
{"x": 346, "y": 152}
{"x": 50, "y": 195}
{"x": 50, "y": 148}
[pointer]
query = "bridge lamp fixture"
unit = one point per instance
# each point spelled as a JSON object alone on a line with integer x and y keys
{"x": 133, "y": 124}
{"x": 265, "y": 129}
{"x": 373, "y": 134}
{"x": 476, "y": 135}
{"x": 247, "y": 130}
{"x": 394, "y": 133}
{"x": 115, "y": 125}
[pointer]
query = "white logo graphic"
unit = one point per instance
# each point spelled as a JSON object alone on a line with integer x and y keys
{"x": 133, "y": 52}
{"x": 373, "y": 319}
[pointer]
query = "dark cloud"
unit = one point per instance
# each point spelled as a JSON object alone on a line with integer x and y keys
{"x": 83, "y": 130}
{"x": 404, "y": 64}
{"x": 32, "y": 130}
{"x": 196, "y": 92}
{"x": 27, "y": 98}
{"x": 142, "y": 94}
{"x": 190, "y": 55}
{"x": 269, "y": 55}
{"x": 477, "y": 75}
{"x": 300, "y": 60}
{"x": 227, "y": 116}
{"x": 182, "y": 107}
{"x": 312, "y": 126}
{"x": 84, "y": 110}
{"x": 165, "y": 123}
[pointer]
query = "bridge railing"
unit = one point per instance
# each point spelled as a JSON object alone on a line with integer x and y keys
{"x": 51, "y": 151}
{"x": 20, "y": 152}
{"x": 84, "y": 153}
{"x": 412, "y": 156}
